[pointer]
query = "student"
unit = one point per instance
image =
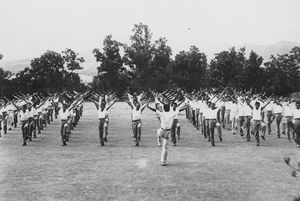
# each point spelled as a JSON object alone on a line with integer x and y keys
{"x": 288, "y": 115}
{"x": 64, "y": 116}
{"x": 257, "y": 119}
{"x": 136, "y": 117}
{"x": 23, "y": 116}
{"x": 278, "y": 109}
{"x": 296, "y": 116}
{"x": 214, "y": 122}
{"x": 102, "y": 107}
{"x": 158, "y": 107}
{"x": 167, "y": 117}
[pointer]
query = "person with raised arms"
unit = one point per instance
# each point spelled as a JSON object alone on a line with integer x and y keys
{"x": 257, "y": 118}
{"x": 136, "y": 116}
{"x": 103, "y": 106}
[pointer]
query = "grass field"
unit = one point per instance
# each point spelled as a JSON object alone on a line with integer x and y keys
{"x": 233, "y": 170}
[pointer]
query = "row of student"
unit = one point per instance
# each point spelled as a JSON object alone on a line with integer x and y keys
{"x": 243, "y": 113}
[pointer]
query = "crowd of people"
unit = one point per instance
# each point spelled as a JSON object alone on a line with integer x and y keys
{"x": 33, "y": 113}
{"x": 210, "y": 111}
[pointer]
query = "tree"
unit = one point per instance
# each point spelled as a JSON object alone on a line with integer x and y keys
{"x": 155, "y": 75}
{"x": 281, "y": 73}
{"x": 4, "y": 82}
{"x": 226, "y": 69}
{"x": 254, "y": 75}
{"x": 72, "y": 61}
{"x": 139, "y": 55}
{"x": 189, "y": 69}
{"x": 112, "y": 75}
{"x": 47, "y": 72}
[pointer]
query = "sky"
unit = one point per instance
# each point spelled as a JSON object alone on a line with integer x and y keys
{"x": 29, "y": 28}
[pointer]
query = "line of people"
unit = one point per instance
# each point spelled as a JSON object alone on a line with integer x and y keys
{"x": 244, "y": 113}
{"x": 33, "y": 113}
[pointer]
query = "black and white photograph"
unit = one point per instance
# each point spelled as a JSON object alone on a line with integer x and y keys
{"x": 162, "y": 100}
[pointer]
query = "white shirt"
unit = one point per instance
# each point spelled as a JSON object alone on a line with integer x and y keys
{"x": 166, "y": 119}
{"x": 288, "y": 111}
{"x": 296, "y": 114}
{"x": 63, "y": 115}
{"x": 136, "y": 114}
{"x": 269, "y": 107}
{"x": 176, "y": 112}
{"x": 247, "y": 110}
{"x": 277, "y": 108}
{"x": 30, "y": 113}
{"x": 23, "y": 116}
{"x": 212, "y": 114}
{"x": 101, "y": 114}
{"x": 241, "y": 109}
{"x": 256, "y": 114}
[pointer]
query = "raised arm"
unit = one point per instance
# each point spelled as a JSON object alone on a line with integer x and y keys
{"x": 151, "y": 108}
{"x": 269, "y": 101}
{"x": 114, "y": 101}
{"x": 129, "y": 103}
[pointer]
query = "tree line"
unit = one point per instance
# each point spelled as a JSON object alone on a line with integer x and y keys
{"x": 146, "y": 64}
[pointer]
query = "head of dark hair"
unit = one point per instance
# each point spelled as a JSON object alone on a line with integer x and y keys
{"x": 166, "y": 107}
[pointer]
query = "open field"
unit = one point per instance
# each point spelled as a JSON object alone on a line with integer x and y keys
{"x": 233, "y": 170}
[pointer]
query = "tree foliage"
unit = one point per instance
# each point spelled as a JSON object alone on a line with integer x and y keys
{"x": 72, "y": 61}
{"x": 282, "y": 73}
{"x": 148, "y": 65}
{"x": 47, "y": 72}
{"x": 189, "y": 69}
{"x": 112, "y": 75}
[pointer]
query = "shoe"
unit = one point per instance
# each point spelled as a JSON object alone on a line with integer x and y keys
{"x": 34, "y": 136}
{"x": 263, "y": 137}
{"x": 221, "y": 139}
{"x": 64, "y": 144}
{"x": 248, "y": 140}
{"x": 174, "y": 144}
{"x": 283, "y": 133}
{"x": 213, "y": 143}
{"x": 163, "y": 164}
{"x": 102, "y": 144}
{"x": 105, "y": 139}
{"x": 137, "y": 144}
{"x": 24, "y": 144}
{"x": 159, "y": 145}
{"x": 257, "y": 144}
{"x": 29, "y": 139}
{"x": 9, "y": 129}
